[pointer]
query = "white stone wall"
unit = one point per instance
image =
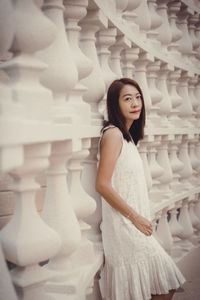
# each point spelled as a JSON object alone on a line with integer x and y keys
{"x": 57, "y": 61}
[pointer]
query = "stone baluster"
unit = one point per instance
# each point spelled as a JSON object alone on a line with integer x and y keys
{"x": 105, "y": 38}
{"x": 10, "y": 110}
{"x": 176, "y": 230}
{"x": 194, "y": 101}
{"x": 57, "y": 77}
{"x": 129, "y": 15}
{"x": 185, "y": 43}
{"x": 174, "y": 7}
{"x": 176, "y": 99}
{"x": 83, "y": 204}
{"x": 120, "y": 7}
{"x": 194, "y": 221}
{"x": 144, "y": 23}
{"x": 88, "y": 180}
{"x": 164, "y": 31}
{"x": 155, "y": 220}
{"x": 36, "y": 242}
{"x": 186, "y": 111}
{"x": 143, "y": 152}
{"x": 74, "y": 12}
{"x": 59, "y": 214}
{"x": 141, "y": 77}
{"x": 163, "y": 231}
{"x": 163, "y": 160}
{"x": 197, "y": 34}
{"x": 156, "y": 171}
{"x": 185, "y": 222}
{"x": 90, "y": 24}
{"x": 186, "y": 171}
{"x": 115, "y": 59}
{"x": 128, "y": 57}
{"x": 192, "y": 22}
{"x": 165, "y": 104}
{"x": 176, "y": 165}
{"x": 197, "y": 94}
{"x": 195, "y": 162}
{"x": 156, "y": 22}
{"x": 155, "y": 94}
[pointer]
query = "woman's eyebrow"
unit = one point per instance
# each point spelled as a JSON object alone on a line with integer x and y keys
{"x": 131, "y": 94}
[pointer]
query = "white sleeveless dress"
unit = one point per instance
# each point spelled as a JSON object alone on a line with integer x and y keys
{"x": 136, "y": 265}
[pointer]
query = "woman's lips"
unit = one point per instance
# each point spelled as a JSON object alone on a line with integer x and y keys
{"x": 135, "y": 111}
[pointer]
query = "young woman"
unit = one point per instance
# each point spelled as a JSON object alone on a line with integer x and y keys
{"x": 136, "y": 266}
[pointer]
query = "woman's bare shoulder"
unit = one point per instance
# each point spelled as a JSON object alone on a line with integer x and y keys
{"x": 112, "y": 136}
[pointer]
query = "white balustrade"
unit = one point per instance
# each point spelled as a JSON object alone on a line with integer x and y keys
{"x": 174, "y": 7}
{"x": 74, "y": 12}
{"x": 176, "y": 165}
{"x": 185, "y": 43}
{"x": 59, "y": 214}
{"x": 163, "y": 160}
{"x": 155, "y": 94}
{"x": 163, "y": 232}
{"x": 164, "y": 31}
{"x": 140, "y": 76}
{"x": 165, "y": 104}
{"x": 88, "y": 179}
{"x": 36, "y": 241}
{"x": 90, "y": 25}
{"x": 185, "y": 108}
{"x": 175, "y": 98}
{"x": 57, "y": 59}
{"x": 115, "y": 57}
{"x": 156, "y": 22}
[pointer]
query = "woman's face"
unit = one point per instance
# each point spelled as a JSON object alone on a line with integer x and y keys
{"x": 130, "y": 104}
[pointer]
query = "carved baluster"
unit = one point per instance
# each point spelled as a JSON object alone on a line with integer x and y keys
{"x": 156, "y": 172}
{"x": 156, "y": 22}
{"x": 36, "y": 242}
{"x": 176, "y": 165}
{"x": 195, "y": 162}
{"x": 128, "y": 57}
{"x": 115, "y": 59}
{"x": 163, "y": 160}
{"x": 176, "y": 230}
{"x": 185, "y": 108}
{"x": 163, "y": 231}
{"x": 192, "y": 23}
{"x": 83, "y": 204}
{"x": 194, "y": 101}
{"x": 164, "y": 31}
{"x": 185, "y": 222}
{"x": 120, "y": 7}
{"x": 59, "y": 214}
{"x": 141, "y": 78}
{"x": 90, "y": 24}
{"x": 174, "y": 7}
{"x": 74, "y": 12}
{"x": 185, "y": 43}
{"x": 176, "y": 99}
{"x": 105, "y": 38}
{"x": 144, "y": 23}
{"x": 187, "y": 171}
{"x": 155, "y": 94}
{"x": 129, "y": 15}
{"x": 88, "y": 180}
{"x": 165, "y": 104}
{"x": 143, "y": 151}
{"x": 57, "y": 77}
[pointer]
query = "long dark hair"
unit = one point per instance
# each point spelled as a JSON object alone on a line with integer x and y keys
{"x": 115, "y": 116}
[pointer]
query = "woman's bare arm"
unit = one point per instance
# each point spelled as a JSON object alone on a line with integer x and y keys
{"x": 111, "y": 145}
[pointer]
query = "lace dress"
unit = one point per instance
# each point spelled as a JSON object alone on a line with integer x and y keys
{"x": 136, "y": 265}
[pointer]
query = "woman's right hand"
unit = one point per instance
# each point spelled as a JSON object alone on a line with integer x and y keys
{"x": 143, "y": 225}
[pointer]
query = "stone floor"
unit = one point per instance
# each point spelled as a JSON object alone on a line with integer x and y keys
{"x": 190, "y": 267}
